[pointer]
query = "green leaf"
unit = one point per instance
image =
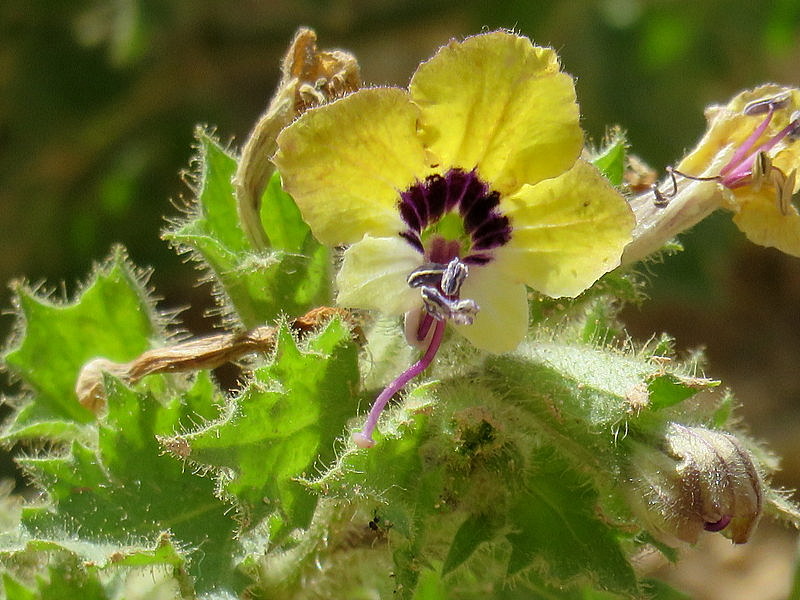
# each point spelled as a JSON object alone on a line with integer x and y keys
{"x": 254, "y": 286}
{"x": 112, "y": 317}
{"x": 281, "y": 218}
{"x": 658, "y": 590}
{"x": 611, "y": 158}
{"x": 282, "y": 425}
{"x": 70, "y": 571}
{"x": 431, "y": 587}
{"x": 555, "y": 523}
{"x": 14, "y": 590}
{"x": 128, "y": 488}
{"x": 475, "y": 530}
{"x": 669, "y": 389}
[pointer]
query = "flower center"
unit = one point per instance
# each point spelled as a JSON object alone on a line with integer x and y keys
{"x": 454, "y": 215}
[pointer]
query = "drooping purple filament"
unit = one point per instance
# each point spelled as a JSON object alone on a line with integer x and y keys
{"x": 363, "y": 438}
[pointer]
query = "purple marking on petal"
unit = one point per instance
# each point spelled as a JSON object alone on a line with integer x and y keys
{"x": 474, "y": 191}
{"x": 494, "y": 232}
{"x": 718, "y": 525}
{"x": 462, "y": 193}
{"x": 413, "y": 238}
{"x": 477, "y": 259}
{"x": 437, "y": 196}
{"x": 410, "y": 216}
{"x": 480, "y": 211}
{"x": 415, "y": 196}
{"x": 457, "y": 181}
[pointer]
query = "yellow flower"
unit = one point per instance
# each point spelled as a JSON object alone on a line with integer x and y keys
{"x": 746, "y": 162}
{"x": 477, "y": 160}
{"x": 455, "y": 194}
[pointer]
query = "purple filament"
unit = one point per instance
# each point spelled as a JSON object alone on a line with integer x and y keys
{"x": 363, "y": 438}
{"x": 738, "y": 170}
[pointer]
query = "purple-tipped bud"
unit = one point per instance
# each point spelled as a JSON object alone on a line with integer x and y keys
{"x": 697, "y": 479}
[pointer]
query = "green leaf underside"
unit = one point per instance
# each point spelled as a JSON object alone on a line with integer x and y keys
{"x": 290, "y": 277}
{"x": 599, "y": 387}
{"x": 112, "y": 318}
{"x": 129, "y": 489}
{"x": 556, "y": 522}
{"x": 283, "y": 425}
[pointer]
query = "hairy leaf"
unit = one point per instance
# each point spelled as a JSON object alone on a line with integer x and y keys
{"x": 556, "y": 528}
{"x": 111, "y": 318}
{"x": 127, "y": 488}
{"x": 282, "y": 426}
{"x": 257, "y": 286}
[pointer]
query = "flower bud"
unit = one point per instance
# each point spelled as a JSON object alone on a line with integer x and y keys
{"x": 697, "y": 479}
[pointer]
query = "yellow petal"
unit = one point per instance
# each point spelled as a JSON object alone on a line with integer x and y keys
{"x": 502, "y": 321}
{"x": 761, "y": 220}
{"x": 373, "y": 276}
{"x": 497, "y": 102}
{"x": 566, "y": 232}
{"x": 344, "y": 164}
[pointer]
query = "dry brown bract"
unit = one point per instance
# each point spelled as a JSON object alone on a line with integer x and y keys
{"x": 309, "y": 77}
{"x": 206, "y": 352}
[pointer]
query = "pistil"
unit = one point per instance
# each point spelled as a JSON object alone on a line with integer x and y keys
{"x": 440, "y": 287}
{"x": 363, "y": 438}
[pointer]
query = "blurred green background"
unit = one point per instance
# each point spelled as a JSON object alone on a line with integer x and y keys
{"x": 98, "y": 101}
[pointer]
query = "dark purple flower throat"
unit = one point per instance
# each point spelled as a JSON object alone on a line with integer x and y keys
{"x": 454, "y": 215}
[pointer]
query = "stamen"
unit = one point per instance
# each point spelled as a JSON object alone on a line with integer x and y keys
{"x": 733, "y": 172}
{"x": 785, "y": 186}
{"x": 363, "y": 438}
{"x": 441, "y": 308}
{"x": 792, "y": 135}
{"x": 429, "y": 274}
{"x": 762, "y": 167}
{"x": 741, "y": 151}
{"x": 765, "y": 105}
{"x": 662, "y": 198}
{"x": 453, "y": 277}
